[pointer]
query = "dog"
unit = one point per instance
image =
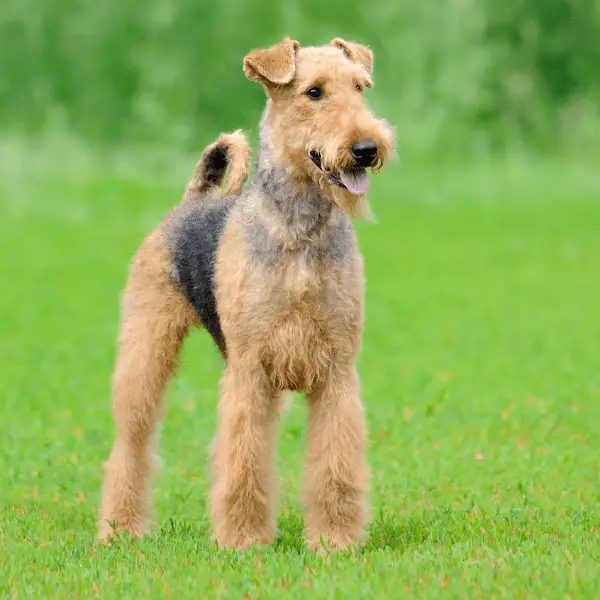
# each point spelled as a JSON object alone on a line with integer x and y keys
{"x": 273, "y": 272}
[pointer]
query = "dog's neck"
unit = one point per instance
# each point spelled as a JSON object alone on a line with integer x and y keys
{"x": 302, "y": 208}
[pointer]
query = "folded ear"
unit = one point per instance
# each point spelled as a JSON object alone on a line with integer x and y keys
{"x": 363, "y": 55}
{"x": 272, "y": 66}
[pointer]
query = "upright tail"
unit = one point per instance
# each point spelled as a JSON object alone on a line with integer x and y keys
{"x": 229, "y": 150}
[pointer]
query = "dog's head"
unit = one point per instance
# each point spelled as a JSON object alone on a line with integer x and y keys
{"x": 320, "y": 127}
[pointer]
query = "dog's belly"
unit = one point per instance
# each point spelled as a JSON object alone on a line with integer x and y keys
{"x": 297, "y": 351}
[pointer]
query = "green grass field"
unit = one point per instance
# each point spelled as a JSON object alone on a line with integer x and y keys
{"x": 480, "y": 372}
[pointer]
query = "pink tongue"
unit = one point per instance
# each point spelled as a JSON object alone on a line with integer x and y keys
{"x": 357, "y": 182}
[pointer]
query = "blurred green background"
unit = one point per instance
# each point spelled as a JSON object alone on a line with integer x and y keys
{"x": 454, "y": 76}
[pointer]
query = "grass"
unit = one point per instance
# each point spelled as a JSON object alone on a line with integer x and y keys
{"x": 480, "y": 373}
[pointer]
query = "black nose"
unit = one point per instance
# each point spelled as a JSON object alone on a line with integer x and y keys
{"x": 364, "y": 152}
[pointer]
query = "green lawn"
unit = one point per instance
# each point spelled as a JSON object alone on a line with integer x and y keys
{"x": 480, "y": 372}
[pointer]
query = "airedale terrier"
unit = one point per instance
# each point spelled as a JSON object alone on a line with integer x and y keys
{"x": 274, "y": 274}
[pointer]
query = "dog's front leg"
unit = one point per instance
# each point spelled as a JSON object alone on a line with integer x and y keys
{"x": 242, "y": 494}
{"x": 336, "y": 469}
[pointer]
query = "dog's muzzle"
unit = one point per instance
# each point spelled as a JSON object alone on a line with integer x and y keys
{"x": 356, "y": 181}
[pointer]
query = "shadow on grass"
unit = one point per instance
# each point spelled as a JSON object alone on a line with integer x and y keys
{"x": 386, "y": 532}
{"x": 391, "y": 531}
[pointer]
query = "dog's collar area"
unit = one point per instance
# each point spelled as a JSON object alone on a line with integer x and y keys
{"x": 316, "y": 158}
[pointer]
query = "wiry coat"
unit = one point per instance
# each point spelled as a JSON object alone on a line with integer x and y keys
{"x": 274, "y": 274}
{"x": 285, "y": 268}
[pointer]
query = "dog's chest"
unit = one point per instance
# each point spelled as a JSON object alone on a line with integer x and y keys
{"x": 301, "y": 278}
{"x": 290, "y": 293}
{"x": 297, "y": 345}
{"x": 303, "y": 323}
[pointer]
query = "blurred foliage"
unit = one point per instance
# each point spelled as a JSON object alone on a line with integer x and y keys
{"x": 452, "y": 75}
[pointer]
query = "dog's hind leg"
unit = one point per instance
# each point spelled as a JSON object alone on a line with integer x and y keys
{"x": 155, "y": 320}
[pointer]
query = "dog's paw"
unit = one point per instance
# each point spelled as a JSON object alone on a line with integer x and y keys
{"x": 332, "y": 542}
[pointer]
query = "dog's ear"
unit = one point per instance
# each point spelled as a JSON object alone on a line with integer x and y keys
{"x": 363, "y": 55}
{"x": 272, "y": 66}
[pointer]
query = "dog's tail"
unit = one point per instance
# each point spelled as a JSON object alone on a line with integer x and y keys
{"x": 229, "y": 150}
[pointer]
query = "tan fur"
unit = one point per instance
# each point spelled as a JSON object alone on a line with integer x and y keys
{"x": 155, "y": 320}
{"x": 336, "y": 471}
{"x": 272, "y": 66}
{"x": 358, "y": 53}
{"x": 298, "y": 123}
{"x": 295, "y": 310}
{"x": 294, "y": 327}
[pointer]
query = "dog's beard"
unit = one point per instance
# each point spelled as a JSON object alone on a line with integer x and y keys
{"x": 354, "y": 205}
{"x": 345, "y": 186}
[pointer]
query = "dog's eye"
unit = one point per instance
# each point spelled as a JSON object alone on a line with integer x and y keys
{"x": 358, "y": 87}
{"x": 315, "y": 93}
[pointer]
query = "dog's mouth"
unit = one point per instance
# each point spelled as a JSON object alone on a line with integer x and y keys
{"x": 356, "y": 180}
